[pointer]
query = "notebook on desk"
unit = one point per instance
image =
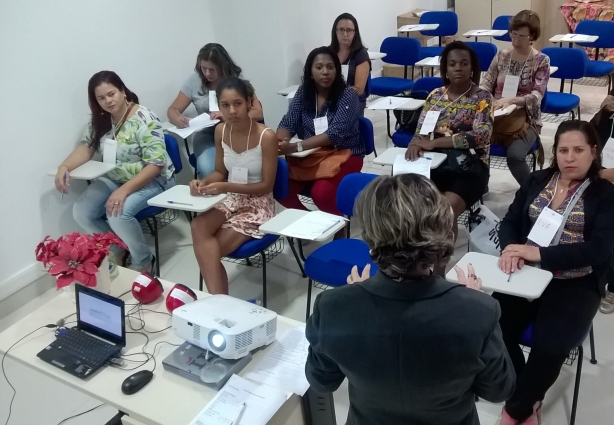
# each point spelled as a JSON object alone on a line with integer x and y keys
{"x": 100, "y": 334}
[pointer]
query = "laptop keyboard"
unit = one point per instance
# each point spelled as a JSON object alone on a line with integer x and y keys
{"x": 90, "y": 350}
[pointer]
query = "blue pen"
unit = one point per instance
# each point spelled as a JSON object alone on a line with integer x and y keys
{"x": 180, "y": 203}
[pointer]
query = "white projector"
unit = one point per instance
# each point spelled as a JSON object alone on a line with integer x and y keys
{"x": 227, "y": 326}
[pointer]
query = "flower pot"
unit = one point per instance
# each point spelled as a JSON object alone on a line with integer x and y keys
{"x": 103, "y": 281}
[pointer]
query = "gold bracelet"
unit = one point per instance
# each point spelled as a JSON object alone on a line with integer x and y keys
{"x": 64, "y": 165}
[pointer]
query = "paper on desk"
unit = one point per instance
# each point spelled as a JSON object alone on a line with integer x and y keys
{"x": 577, "y": 37}
{"x": 420, "y": 166}
{"x": 505, "y": 111}
{"x": 284, "y": 364}
{"x": 196, "y": 124}
{"x": 261, "y": 403}
{"x": 389, "y": 102}
{"x": 312, "y": 225}
{"x": 292, "y": 94}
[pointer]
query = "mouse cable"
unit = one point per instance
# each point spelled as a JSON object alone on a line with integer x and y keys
{"x": 49, "y": 326}
{"x": 79, "y": 414}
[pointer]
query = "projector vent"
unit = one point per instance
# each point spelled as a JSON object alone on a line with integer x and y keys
{"x": 196, "y": 332}
{"x": 243, "y": 340}
{"x": 271, "y": 327}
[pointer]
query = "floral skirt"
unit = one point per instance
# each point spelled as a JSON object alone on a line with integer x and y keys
{"x": 246, "y": 213}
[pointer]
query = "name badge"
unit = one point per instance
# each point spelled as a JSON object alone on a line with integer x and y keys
{"x": 109, "y": 151}
{"x": 345, "y": 71}
{"x": 430, "y": 122}
{"x": 238, "y": 175}
{"x": 546, "y": 227}
{"x": 608, "y": 154}
{"x": 320, "y": 125}
{"x": 213, "y": 102}
{"x": 510, "y": 86}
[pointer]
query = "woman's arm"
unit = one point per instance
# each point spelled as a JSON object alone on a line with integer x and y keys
{"x": 510, "y": 227}
{"x": 489, "y": 80}
{"x": 479, "y": 136}
{"x": 175, "y": 111}
{"x": 361, "y": 74}
{"x": 79, "y": 156}
{"x": 607, "y": 174}
{"x": 532, "y": 101}
{"x": 256, "y": 112}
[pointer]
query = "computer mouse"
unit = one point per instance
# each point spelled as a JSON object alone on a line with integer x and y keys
{"x": 136, "y": 381}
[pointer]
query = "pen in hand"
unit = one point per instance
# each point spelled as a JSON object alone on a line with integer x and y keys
{"x": 509, "y": 276}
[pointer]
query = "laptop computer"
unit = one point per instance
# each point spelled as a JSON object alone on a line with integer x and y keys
{"x": 99, "y": 335}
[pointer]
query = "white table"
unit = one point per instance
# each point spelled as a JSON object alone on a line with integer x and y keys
{"x": 484, "y": 33}
{"x": 553, "y": 69}
{"x": 88, "y": 171}
{"x": 181, "y": 199}
{"x": 168, "y": 399}
{"x": 529, "y": 282}
{"x": 303, "y": 153}
{"x": 290, "y": 90}
{"x": 432, "y": 61}
{"x": 388, "y": 157}
{"x": 390, "y": 103}
{"x": 573, "y": 38}
{"x": 418, "y": 27}
{"x": 376, "y": 55}
{"x": 277, "y": 224}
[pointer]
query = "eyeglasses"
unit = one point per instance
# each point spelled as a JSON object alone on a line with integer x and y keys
{"x": 346, "y": 31}
{"x": 520, "y": 36}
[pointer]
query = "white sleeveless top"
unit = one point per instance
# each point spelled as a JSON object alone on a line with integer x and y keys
{"x": 250, "y": 159}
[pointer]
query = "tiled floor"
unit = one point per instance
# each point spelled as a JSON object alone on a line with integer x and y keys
{"x": 40, "y": 400}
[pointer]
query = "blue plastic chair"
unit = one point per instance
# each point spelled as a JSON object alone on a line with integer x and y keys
{"x": 498, "y": 156}
{"x": 571, "y": 65}
{"x": 448, "y": 25}
{"x": 605, "y": 31}
{"x": 156, "y": 218}
{"x": 402, "y": 51}
{"x": 575, "y": 354}
{"x": 485, "y": 51}
{"x": 502, "y": 23}
{"x": 365, "y": 126}
{"x": 331, "y": 264}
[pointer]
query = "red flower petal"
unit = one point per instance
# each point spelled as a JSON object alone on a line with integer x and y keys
{"x": 63, "y": 281}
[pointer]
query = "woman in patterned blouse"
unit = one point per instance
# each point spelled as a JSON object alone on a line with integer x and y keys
{"x": 464, "y": 127}
{"x": 533, "y": 69}
{"x": 143, "y": 167}
{"x": 578, "y": 252}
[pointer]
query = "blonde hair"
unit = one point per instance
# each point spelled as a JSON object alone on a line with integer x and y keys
{"x": 407, "y": 223}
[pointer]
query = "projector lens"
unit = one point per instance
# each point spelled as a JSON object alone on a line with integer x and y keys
{"x": 217, "y": 340}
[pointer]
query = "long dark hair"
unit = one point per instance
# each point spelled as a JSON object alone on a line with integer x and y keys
{"x": 309, "y": 85}
{"x": 356, "y": 42}
{"x": 592, "y": 139}
{"x": 101, "y": 119}
{"x": 216, "y": 54}
{"x": 243, "y": 87}
{"x": 475, "y": 62}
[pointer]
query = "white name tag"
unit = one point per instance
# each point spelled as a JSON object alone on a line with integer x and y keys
{"x": 430, "y": 122}
{"x": 109, "y": 151}
{"x": 213, "y": 102}
{"x": 510, "y": 86}
{"x": 238, "y": 175}
{"x": 320, "y": 125}
{"x": 345, "y": 71}
{"x": 546, "y": 227}
{"x": 608, "y": 154}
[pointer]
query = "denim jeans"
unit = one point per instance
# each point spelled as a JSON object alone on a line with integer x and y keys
{"x": 204, "y": 150}
{"x": 90, "y": 213}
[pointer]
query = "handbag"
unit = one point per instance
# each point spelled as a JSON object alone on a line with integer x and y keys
{"x": 464, "y": 161}
{"x": 508, "y": 128}
{"x": 483, "y": 232}
{"x": 324, "y": 163}
{"x": 408, "y": 120}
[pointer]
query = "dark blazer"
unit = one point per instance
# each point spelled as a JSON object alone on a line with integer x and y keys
{"x": 595, "y": 251}
{"x": 414, "y": 352}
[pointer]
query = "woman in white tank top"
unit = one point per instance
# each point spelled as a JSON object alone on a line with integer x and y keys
{"x": 245, "y": 167}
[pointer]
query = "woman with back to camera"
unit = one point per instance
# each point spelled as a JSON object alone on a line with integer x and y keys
{"x": 245, "y": 167}
{"x": 144, "y": 168}
{"x": 323, "y": 114}
{"x": 577, "y": 249}
{"x": 213, "y": 64}
{"x": 460, "y": 114}
{"x": 427, "y": 347}
{"x": 519, "y": 76}
{"x": 347, "y": 43}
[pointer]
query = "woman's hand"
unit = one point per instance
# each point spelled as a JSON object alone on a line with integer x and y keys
{"x": 502, "y": 103}
{"x": 413, "y": 152}
{"x": 181, "y": 121}
{"x": 115, "y": 203}
{"x": 354, "y": 277}
{"x": 424, "y": 143}
{"x": 196, "y": 187}
{"x": 471, "y": 281}
{"x": 286, "y": 148}
{"x": 214, "y": 188}
{"x": 526, "y": 252}
{"x": 216, "y": 116}
{"x": 62, "y": 179}
{"x": 509, "y": 263}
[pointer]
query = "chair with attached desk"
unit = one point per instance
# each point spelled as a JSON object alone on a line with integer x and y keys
{"x": 402, "y": 51}
{"x": 571, "y": 65}
{"x": 330, "y": 264}
{"x": 448, "y": 26}
{"x": 605, "y": 31}
{"x": 502, "y": 23}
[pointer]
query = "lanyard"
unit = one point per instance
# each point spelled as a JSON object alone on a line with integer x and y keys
{"x": 454, "y": 101}
{"x": 576, "y": 192}
{"x": 121, "y": 122}
{"x": 509, "y": 65}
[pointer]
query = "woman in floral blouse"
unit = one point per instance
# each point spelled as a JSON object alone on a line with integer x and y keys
{"x": 533, "y": 70}
{"x": 130, "y": 136}
{"x": 463, "y": 129}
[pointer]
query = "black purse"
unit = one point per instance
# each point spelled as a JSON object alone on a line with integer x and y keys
{"x": 408, "y": 120}
{"x": 460, "y": 161}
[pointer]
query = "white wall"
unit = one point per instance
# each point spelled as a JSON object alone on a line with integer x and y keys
{"x": 50, "y": 49}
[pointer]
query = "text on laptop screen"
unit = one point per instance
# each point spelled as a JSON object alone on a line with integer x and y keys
{"x": 100, "y": 314}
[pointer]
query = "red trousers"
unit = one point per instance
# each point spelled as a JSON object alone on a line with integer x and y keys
{"x": 323, "y": 191}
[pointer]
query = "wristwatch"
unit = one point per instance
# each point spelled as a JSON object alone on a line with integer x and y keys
{"x": 299, "y": 146}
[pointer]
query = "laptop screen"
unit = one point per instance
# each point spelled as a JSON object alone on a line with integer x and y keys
{"x": 101, "y": 315}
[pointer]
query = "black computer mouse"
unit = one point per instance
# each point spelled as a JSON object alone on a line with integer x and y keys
{"x": 136, "y": 381}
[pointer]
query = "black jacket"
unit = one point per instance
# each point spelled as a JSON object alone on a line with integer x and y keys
{"x": 595, "y": 251}
{"x": 414, "y": 352}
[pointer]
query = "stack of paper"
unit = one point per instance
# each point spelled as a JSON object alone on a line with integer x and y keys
{"x": 196, "y": 124}
{"x": 421, "y": 166}
{"x": 505, "y": 111}
{"x": 312, "y": 225}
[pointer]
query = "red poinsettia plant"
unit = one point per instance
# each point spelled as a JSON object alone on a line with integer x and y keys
{"x": 76, "y": 257}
